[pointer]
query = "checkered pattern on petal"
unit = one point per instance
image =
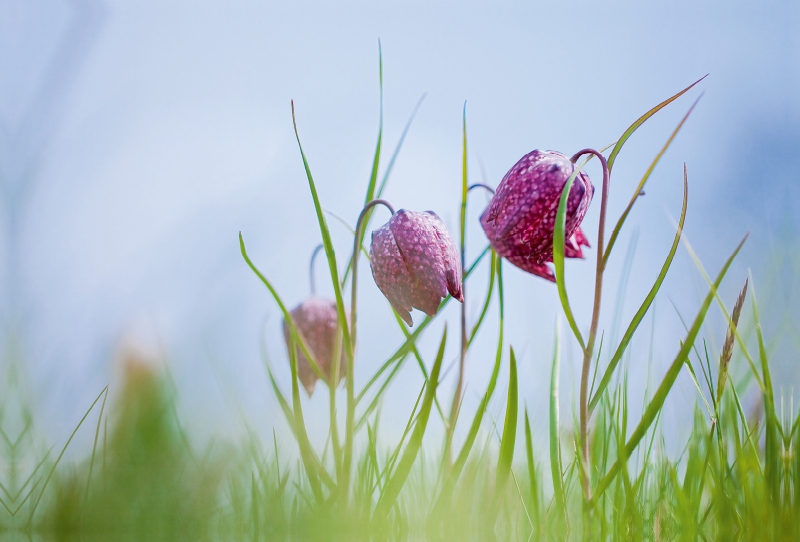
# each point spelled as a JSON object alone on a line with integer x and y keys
{"x": 532, "y": 186}
{"x": 520, "y": 219}
{"x": 390, "y": 271}
{"x": 517, "y": 258}
{"x": 317, "y": 322}
{"x": 452, "y": 261}
{"x": 425, "y": 300}
{"x": 418, "y": 241}
{"x": 415, "y": 262}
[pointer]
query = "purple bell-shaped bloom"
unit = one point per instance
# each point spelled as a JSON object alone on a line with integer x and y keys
{"x": 520, "y": 219}
{"x": 318, "y": 323}
{"x": 415, "y": 262}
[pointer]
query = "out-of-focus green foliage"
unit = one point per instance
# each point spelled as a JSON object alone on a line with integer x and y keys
{"x": 145, "y": 482}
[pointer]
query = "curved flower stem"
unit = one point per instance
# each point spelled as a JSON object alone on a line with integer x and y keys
{"x": 456, "y": 406}
{"x": 481, "y": 185}
{"x": 356, "y": 247}
{"x": 347, "y": 459}
{"x": 589, "y": 350}
{"x": 311, "y": 279}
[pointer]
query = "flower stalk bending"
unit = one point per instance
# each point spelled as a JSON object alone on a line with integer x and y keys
{"x": 589, "y": 350}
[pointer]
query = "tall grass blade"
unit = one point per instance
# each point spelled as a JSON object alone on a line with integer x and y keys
{"x": 645, "y": 306}
{"x": 306, "y": 453}
{"x": 641, "y": 120}
{"x": 398, "y": 478}
{"x": 373, "y": 176}
{"x": 284, "y": 404}
{"x": 393, "y": 458}
{"x": 742, "y": 345}
{"x": 287, "y": 317}
{"x": 556, "y": 469}
{"x": 94, "y": 445}
{"x": 455, "y": 408}
{"x": 396, "y": 152}
{"x": 640, "y": 186}
{"x": 298, "y": 432}
{"x": 660, "y": 396}
{"x": 386, "y": 173}
{"x": 508, "y": 440}
{"x": 458, "y": 465}
{"x": 533, "y": 479}
{"x": 772, "y": 446}
{"x": 330, "y": 255}
{"x": 60, "y": 455}
{"x": 558, "y": 255}
{"x": 486, "y": 302}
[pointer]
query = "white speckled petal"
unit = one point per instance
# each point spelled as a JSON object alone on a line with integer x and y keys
{"x": 419, "y": 245}
{"x": 452, "y": 261}
{"x": 390, "y": 271}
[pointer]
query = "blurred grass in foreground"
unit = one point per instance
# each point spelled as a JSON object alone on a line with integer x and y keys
{"x": 737, "y": 477}
{"x": 609, "y": 478}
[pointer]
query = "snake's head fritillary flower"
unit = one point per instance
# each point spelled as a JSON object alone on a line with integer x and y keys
{"x": 572, "y": 248}
{"x": 526, "y": 264}
{"x": 317, "y": 322}
{"x": 520, "y": 219}
{"x": 415, "y": 263}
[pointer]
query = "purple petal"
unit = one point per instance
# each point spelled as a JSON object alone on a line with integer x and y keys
{"x": 529, "y": 189}
{"x": 425, "y": 300}
{"x": 390, "y": 271}
{"x": 317, "y": 323}
{"x": 572, "y": 249}
{"x": 521, "y": 215}
{"x": 419, "y": 245}
{"x": 452, "y": 262}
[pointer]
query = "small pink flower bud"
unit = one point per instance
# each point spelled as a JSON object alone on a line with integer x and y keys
{"x": 520, "y": 218}
{"x": 415, "y": 263}
{"x": 317, "y": 322}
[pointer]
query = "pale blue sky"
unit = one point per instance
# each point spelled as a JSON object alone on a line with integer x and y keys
{"x": 138, "y": 138}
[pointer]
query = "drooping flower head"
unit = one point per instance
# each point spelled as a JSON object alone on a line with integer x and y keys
{"x": 318, "y": 323}
{"x": 415, "y": 262}
{"x": 520, "y": 219}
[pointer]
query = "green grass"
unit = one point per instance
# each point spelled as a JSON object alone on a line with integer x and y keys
{"x": 737, "y": 475}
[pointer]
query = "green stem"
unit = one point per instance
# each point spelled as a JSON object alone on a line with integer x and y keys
{"x": 351, "y": 400}
{"x": 312, "y": 283}
{"x": 456, "y": 406}
{"x": 588, "y": 351}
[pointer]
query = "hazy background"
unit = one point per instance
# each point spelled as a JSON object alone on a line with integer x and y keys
{"x": 138, "y": 138}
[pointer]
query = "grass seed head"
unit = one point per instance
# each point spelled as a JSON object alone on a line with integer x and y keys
{"x": 727, "y": 347}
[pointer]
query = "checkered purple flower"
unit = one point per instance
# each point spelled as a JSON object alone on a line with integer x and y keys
{"x": 520, "y": 219}
{"x": 415, "y": 262}
{"x": 318, "y": 323}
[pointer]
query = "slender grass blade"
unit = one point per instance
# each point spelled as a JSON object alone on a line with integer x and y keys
{"x": 645, "y": 306}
